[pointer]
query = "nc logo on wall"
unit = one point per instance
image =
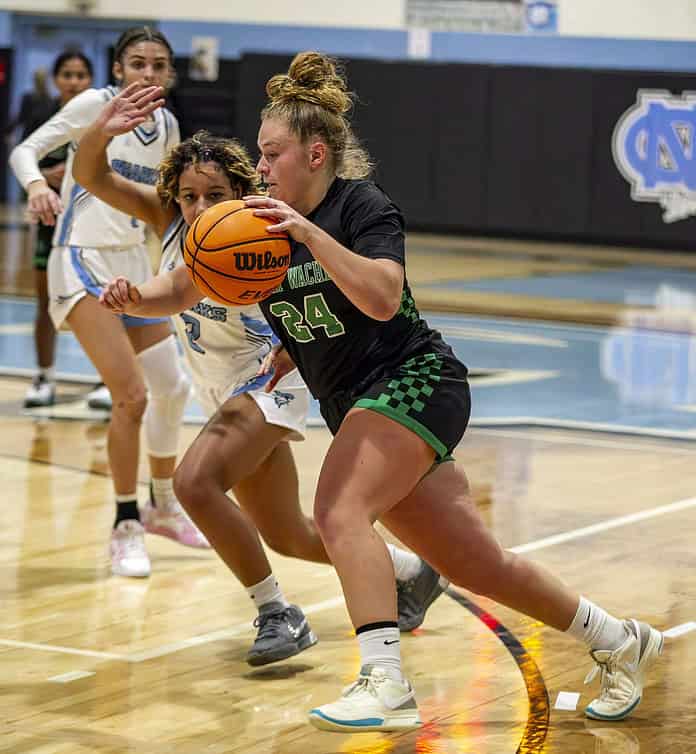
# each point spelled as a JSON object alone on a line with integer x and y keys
{"x": 653, "y": 148}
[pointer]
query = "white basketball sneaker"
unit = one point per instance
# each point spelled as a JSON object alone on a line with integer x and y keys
{"x": 128, "y": 554}
{"x": 374, "y": 702}
{"x": 41, "y": 392}
{"x": 623, "y": 672}
{"x": 99, "y": 398}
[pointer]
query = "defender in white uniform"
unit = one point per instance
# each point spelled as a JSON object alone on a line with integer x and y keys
{"x": 96, "y": 241}
{"x": 244, "y": 445}
{"x": 224, "y": 347}
{"x": 136, "y": 358}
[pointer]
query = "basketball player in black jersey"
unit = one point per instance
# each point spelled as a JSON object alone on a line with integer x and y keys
{"x": 397, "y": 401}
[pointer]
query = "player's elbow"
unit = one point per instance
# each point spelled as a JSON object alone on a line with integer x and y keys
{"x": 387, "y": 303}
{"x": 385, "y": 307}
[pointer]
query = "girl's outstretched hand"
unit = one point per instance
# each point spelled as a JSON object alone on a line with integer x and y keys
{"x": 129, "y": 108}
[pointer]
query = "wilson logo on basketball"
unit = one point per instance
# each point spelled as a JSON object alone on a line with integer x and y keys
{"x": 232, "y": 258}
{"x": 246, "y": 261}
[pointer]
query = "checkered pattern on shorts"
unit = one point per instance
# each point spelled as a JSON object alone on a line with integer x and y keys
{"x": 408, "y": 307}
{"x": 405, "y": 394}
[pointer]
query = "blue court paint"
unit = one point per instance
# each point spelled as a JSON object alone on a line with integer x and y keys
{"x": 606, "y": 379}
{"x": 637, "y": 285}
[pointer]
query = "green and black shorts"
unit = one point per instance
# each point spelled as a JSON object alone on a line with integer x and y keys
{"x": 44, "y": 237}
{"x": 428, "y": 394}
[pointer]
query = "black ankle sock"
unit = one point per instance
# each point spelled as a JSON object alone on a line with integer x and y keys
{"x": 126, "y": 511}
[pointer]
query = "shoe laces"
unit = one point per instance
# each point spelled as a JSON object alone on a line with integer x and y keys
{"x": 610, "y": 686}
{"x": 131, "y": 543}
{"x": 366, "y": 683}
{"x": 269, "y": 624}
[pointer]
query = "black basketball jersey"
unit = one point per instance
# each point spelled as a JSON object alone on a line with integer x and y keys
{"x": 334, "y": 345}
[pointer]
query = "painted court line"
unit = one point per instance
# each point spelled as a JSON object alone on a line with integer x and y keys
{"x": 333, "y": 602}
{"x": 63, "y": 650}
{"x": 603, "y": 526}
{"x": 75, "y": 675}
{"x": 680, "y": 630}
{"x": 540, "y": 544}
{"x": 543, "y": 435}
{"x": 225, "y": 633}
{"x": 546, "y": 422}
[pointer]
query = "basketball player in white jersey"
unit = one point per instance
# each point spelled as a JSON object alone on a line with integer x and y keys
{"x": 244, "y": 447}
{"x": 136, "y": 358}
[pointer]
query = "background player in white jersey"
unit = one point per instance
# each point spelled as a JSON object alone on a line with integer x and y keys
{"x": 136, "y": 358}
{"x": 244, "y": 446}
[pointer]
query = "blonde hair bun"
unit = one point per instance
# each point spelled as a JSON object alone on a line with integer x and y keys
{"x": 314, "y": 78}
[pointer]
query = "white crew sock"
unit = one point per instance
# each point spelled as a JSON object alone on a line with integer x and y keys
{"x": 596, "y": 627}
{"x": 163, "y": 490}
{"x": 381, "y": 647}
{"x": 265, "y": 592}
{"x": 407, "y": 565}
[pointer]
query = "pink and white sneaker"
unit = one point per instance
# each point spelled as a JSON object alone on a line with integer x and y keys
{"x": 127, "y": 547}
{"x": 169, "y": 519}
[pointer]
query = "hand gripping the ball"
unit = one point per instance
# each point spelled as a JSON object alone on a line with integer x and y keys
{"x": 287, "y": 219}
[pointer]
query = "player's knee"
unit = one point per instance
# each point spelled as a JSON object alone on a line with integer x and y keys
{"x": 129, "y": 400}
{"x": 190, "y": 487}
{"x": 335, "y": 520}
{"x": 169, "y": 387}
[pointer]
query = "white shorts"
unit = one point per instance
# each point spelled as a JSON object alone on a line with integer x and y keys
{"x": 286, "y": 406}
{"x": 74, "y": 272}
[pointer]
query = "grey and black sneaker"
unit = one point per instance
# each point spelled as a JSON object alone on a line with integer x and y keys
{"x": 414, "y": 596}
{"x": 283, "y": 632}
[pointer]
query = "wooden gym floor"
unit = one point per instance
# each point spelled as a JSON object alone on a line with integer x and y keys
{"x": 96, "y": 663}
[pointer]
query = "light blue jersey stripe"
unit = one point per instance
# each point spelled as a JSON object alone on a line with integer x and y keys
{"x": 256, "y": 326}
{"x": 68, "y": 216}
{"x": 255, "y": 383}
{"x": 93, "y": 287}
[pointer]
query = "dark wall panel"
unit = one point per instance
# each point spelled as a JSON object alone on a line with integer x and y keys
{"x": 513, "y": 158}
{"x": 5, "y": 84}
{"x": 563, "y": 182}
{"x": 254, "y": 72}
{"x": 210, "y": 105}
{"x": 394, "y": 119}
{"x": 459, "y": 167}
{"x": 478, "y": 149}
{"x": 540, "y": 148}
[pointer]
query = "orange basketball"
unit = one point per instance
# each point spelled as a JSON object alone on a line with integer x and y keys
{"x": 232, "y": 258}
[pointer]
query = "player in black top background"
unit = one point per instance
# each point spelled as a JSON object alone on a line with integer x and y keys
{"x": 397, "y": 402}
{"x": 72, "y": 74}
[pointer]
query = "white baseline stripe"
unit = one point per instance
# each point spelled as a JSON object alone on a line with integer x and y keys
{"x": 680, "y": 630}
{"x": 543, "y": 435}
{"x": 225, "y": 633}
{"x": 611, "y": 523}
{"x": 64, "y": 650}
{"x": 83, "y": 379}
{"x": 622, "y": 429}
{"x": 242, "y": 628}
{"x": 75, "y": 675}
